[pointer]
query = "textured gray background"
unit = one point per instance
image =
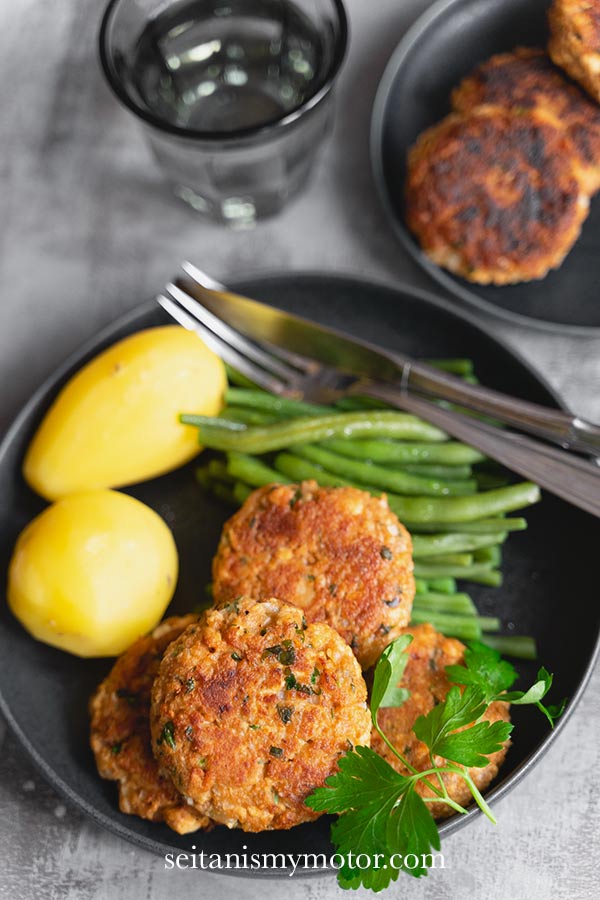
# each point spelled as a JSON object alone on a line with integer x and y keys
{"x": 88, "y": 230}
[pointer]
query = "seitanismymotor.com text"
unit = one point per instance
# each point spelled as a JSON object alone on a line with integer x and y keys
{"x": 292, "y": 863}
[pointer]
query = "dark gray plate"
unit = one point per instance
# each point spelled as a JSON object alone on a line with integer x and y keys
{"x": 434, "y": 55}
{"x": 44, "y": 692}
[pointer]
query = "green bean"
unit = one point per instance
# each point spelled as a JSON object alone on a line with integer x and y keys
{"x": 449, "y": 473}
{"x": 442, "y": 585}
{"x": 520, "y": 646}
{"x": 247, "y": 416}
{"x": 252, "y": 471}
{"x": 493, "y": 578}
{"x": 224, "y": 492}
{"x": 481, "y": 526}
{"x": 380, "y": 477}
{"x": 421, "y": 586}
{"x": 307, "y": 429}
{"x": 203, "y": 477}
{"x": 435, "y": 570}
{"x": 439, "y": 510}
{"x": 356, "y": 403}
{"x": 464, "y": 560}
{"x": 448, "y": 453}
{"x": 464, "y": 509}
{"x": 301, "y": 470}
{"x": 218, "y": 423}
{"x": 283, "y": 406}
{"x": 440, "y": 544}
{"x": 217, "y": 470}
{"x": 491, "y": 555}
{"x": 241, "y": 492}
{"x": 235, "y": 377}
{"x": 487, "y": 481}
{"x": 454, "y": 366}
{"x": 466, "y": 627}
{"x": 449, "y": 603}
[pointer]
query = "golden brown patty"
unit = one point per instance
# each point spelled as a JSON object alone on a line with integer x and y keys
{"x": 251, "y": 710}
{"x": 429, "y": 653}
{"x": 526, "y": 79}
{"x": 575, "y": 41}
{"x": 339, "y": 554}
{"x": 494, "y": 196}
{"x": 120, "y": 733}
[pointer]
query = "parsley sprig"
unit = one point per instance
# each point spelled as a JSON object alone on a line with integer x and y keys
{"x": 381, "y": 813}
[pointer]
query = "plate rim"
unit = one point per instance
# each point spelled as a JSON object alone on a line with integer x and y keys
{"x": 396, "y": 61}
{"x": 49, "y": 384}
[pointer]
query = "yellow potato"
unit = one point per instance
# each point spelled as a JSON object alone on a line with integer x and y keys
{"x": 116, "y": 421}
{"x": 92, "y": 573}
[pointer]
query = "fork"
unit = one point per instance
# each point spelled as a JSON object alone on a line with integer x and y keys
{"x": 292, "y": 374}
{"x": 417, "y": 376}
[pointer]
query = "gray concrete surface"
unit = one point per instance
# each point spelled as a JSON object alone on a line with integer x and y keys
{"x": 87, "y": 230}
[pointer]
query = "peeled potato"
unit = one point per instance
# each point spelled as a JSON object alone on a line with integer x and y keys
{"x": 92, "y": 573}
{"x": 116, "y": 421}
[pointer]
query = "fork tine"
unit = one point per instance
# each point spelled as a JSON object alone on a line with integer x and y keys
{"x": 203, "y": 280}
{"x": 227, "y": 353}
{"x": 233, "y": 338}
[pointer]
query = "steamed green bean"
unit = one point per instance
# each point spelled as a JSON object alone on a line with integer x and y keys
{"x": 309, "y": 429}
{"x": 466, "y": 627}
{"x": 449, "y": 603}
{"x": 383, "y": 478}
{"x": 520, "y": 646}
{"x": 252, "y": 471}
{"x": 435, "y": 570}
{"x": 448, "y": 453}
{"x": 440, "y": 544}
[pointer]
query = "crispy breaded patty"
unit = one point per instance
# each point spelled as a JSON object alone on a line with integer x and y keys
{"x": 339, "y": 554}
{"x": 120, "y": 733}
{"x": 251, "y": 710}
{"x": 526, "y": 79}
{"x": 494, "y": 196}
{"x": 425, "y": 677}
{"x": 575, "y": 41}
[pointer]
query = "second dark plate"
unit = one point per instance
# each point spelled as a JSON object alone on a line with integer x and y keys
{"x": 434, "y": 55}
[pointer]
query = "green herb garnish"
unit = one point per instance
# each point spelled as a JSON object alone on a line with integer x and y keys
{"x": 276, "y": 751}
{"x": 285, "y": 713}
{"x": 284, "y": 652}
{"x": 167, "y": 735}
{"x": 380, "y": 812}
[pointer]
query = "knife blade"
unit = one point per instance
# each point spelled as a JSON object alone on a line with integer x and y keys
{"x": 355, "y": 356}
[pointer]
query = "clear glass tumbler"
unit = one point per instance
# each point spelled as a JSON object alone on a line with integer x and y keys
{"x": 235, "y": 96}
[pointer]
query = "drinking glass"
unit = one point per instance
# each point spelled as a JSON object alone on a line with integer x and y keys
{"x": 235, "y": 96}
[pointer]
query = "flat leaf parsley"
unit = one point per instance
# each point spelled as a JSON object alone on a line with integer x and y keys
{"x": 381, "y": 814}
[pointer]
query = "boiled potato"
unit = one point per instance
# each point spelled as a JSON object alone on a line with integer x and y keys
{"x": 116, "y": 421}
{"x": 92, "y": 573}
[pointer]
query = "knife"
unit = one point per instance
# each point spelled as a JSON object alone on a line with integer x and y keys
{"x": 264, "y": 323}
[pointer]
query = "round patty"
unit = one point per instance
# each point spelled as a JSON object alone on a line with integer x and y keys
{"x": 120, "y": 733}
{"x": 495, "y": 196}
{"x": 425, "y": 677}
{"x": 251, "y": 710}
{"x": 339, "y": 554}
{"x": 526, "y": 79}
{"x": 575, "y": 41}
